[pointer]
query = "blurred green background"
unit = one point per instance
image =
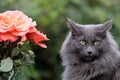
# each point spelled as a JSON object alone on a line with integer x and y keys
{"x": 50, "y": 16}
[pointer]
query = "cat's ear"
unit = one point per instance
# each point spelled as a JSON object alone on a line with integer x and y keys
{"x": 73, "y": 27}
{"x": 104, "y": 28}
{"x": 107, "y": 25}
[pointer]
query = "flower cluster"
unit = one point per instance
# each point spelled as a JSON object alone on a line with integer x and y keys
{"x": 15, "y": 24}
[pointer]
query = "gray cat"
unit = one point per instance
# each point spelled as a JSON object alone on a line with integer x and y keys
{"x": 89, "y": 52}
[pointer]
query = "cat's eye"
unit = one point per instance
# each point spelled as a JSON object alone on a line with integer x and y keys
{"x": 82, "y": 42}
{"x": 96, "y": 43}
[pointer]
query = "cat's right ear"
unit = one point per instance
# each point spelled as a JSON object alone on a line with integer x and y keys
{"x": 73, "y": 27}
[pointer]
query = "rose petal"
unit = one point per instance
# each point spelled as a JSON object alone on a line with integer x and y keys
{"x": 37, "y": 37}
{"x": 42, "y": 45}
{"x": 18, "y": 33}
{"x": 8, "y": 36}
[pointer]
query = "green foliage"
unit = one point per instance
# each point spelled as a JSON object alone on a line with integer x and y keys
{"x": 15, "y": 63}
{"x": 6, "y": 65}
{"x": 20, "y": 76}
{"x": 25, "y": 73}
{"x": 50, "y": 16}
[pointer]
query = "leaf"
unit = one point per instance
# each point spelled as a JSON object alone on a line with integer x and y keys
{"x": 29, "y": 71}
{"x": 18, "y": 62}
{"x": 20, "y": 76}
{"x": 31, "y": 53}
{"x": 6, "y": 65}
{"x": 29, "y": 59}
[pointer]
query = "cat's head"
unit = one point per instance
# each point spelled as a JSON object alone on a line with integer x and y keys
{"x": 89, "y": 42}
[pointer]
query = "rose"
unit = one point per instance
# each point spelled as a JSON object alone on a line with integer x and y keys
{"x": 15, "y": 23}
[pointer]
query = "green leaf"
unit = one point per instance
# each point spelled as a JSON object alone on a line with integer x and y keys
{"x": 29, "y": 59}
{"x": 31, "y": 53}
{"x": 6, "y": 65}
{"x": 29, "y": 71}
{"x": 20, "y": 76}
{"x": 18, "y": 62}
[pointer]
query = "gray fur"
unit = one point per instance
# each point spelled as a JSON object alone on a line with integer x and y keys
{"x": 104, "y": 63}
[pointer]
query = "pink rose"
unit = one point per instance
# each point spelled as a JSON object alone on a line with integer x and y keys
{"x": 15, "y": 23}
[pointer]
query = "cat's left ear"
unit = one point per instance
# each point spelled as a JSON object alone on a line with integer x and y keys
{"x": 104, "y": 28}
{"x": 107, "y": 26}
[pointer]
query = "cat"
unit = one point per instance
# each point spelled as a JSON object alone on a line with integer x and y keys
{"x": 90, "y": 52}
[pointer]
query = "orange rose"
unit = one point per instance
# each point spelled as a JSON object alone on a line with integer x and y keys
{"x": 15, "y": 23}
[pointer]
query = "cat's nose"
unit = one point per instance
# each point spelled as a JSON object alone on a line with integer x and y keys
{"x": 89, "y": 52}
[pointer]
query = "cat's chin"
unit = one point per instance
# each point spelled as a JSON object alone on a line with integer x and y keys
{"x": 88, "y": 58}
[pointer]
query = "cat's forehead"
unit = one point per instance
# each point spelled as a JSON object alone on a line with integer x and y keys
{"x": 89, "y": 31}
{"x": 89, "y": 26}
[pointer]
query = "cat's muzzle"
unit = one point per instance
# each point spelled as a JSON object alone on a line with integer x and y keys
{"x": 88, "y": 58}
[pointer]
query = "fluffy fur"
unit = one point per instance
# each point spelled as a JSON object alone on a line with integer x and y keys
{"x": 103, "y": 61}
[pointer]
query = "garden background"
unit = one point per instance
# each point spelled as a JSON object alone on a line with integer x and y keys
{"x": 50, "y": 16}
